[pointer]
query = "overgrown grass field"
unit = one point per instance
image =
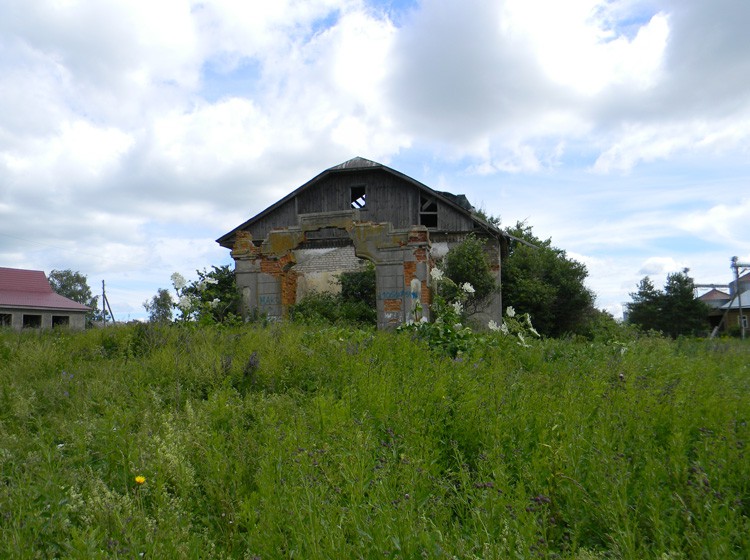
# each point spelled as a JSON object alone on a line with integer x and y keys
{"x": 295, "y": 442}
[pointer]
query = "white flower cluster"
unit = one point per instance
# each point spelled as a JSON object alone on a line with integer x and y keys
{"x": 205, "y": 282}
{"x": 185, "y": 303}
{"x": 521, "y": 326}
{"x": 178, "y": 281}
{"x": 493, "y": 326}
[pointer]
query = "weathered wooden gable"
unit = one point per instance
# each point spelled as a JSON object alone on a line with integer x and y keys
{"x": 377, "y": 193}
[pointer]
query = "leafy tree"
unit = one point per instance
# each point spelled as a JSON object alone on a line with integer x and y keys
{"x": 212, "y": 298}
{"x": 160, "y": 307}
{"x": 673, "y": 311}
{"x": 74, "y": 285}
{"x": 645, "y": 309}
{"x": 541, "y": 280}
{"x": 487, "y": 217}
{"x": 465, "y": 263}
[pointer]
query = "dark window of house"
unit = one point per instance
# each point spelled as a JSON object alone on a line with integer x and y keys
{"x": 32, "y": 321}
{"x": 428, "y": 215}
{"x": 6, "y": 319}
{"x": 358, "y": 197}
{"x": 60, "y": 321}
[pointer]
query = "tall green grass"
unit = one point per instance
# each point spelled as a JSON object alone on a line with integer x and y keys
{"x": 288, "y": 442}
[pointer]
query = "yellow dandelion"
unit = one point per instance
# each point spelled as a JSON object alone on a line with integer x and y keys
{"x": 140, "y": 479}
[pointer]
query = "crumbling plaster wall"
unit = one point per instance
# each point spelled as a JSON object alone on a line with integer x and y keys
{"x": 319, "y": 269}
{"x": 268, "y": 281}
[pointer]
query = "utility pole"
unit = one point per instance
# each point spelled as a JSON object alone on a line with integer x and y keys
{"x": 736, "y": 266}
{"x": 105, "y": 301}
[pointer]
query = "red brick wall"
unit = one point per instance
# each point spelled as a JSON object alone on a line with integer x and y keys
{"x": 392, "y": 305}
{"x": 275, "y": 266}
{"x": 289, "y": 288}
{"x": 410, "y": 272}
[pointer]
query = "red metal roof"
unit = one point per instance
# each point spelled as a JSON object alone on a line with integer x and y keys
{"x": 31, "y": 289}
{"x": 715, "y": 294}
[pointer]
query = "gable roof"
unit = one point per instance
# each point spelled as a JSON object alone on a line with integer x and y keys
{"x": 715, "y": 294}
{"x": 31, "y": 289}
{"x": 457, "y": 202}
{"x": 715, "y": 298}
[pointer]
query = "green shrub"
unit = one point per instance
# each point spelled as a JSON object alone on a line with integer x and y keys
{"x": 359, "y": 286}
{"x": 354, "y": 305}
{"x": 315, "y": 307}
{"x": 465, "y": 263}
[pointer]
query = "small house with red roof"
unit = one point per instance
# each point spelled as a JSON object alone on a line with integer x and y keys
{"x": 28, "y": 301}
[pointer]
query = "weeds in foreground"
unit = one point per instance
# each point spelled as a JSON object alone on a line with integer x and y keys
{"x": 286, "y": 442}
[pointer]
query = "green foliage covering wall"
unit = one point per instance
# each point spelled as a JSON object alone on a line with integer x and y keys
{"x": 467, "y": 262}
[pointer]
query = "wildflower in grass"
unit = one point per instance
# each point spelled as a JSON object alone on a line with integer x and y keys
{"x": 493, "y": 326}
{"x": 504, "y": 329}
{"x": 510, "y": 312}
{"x": 457, "y": 307}
{"x": 468, "y": 288}
{"x": 436, "y": 274}
{"x": 140, "y": 480}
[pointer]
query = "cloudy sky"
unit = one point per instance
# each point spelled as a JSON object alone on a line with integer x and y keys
{"x": 133, "y": 133}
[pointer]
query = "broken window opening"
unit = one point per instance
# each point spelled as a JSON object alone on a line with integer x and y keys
{"x": 428, "y": 214}
{"x": 6, "y": 319}
{"x": 358, "y": 197}
{"x": 60, "y": 321}
{"x": 32, "y": 321}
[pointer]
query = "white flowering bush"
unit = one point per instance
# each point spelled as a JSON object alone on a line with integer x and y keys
{"x": 473, "y": 280}
{"x": 448, "y": 331}
{"x": 515, "y": 325}
{"x": 213, "y": 298}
